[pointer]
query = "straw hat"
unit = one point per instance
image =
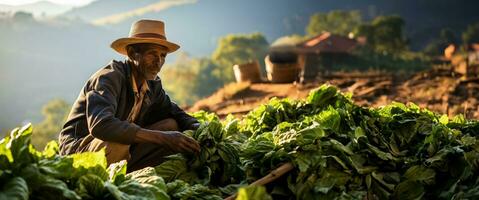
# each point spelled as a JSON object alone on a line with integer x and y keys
{"x": 145, "y": 31}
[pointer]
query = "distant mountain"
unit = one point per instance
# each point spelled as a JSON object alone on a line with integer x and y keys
{"x": 102, "y": 8}
{"x": 40, "y": 61}
{"x": 38, "y": 9}
{"x": 208, "y": 20}
{"x": 211, "y": 19}
{"x": 139, "y": 12}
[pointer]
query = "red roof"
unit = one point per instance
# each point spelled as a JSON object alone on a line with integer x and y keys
{"x": 327, "y": 42}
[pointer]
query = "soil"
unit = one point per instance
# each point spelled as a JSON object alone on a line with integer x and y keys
{"x": 438, "y": 89}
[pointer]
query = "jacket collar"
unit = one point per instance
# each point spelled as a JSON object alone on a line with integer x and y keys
{"x": 131, "y": 80}
{"x": 143, "y": 88}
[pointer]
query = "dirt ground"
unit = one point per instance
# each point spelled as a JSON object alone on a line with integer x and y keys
{"x": 438, "y": 89}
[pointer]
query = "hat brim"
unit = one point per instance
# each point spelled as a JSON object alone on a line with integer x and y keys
{"x": 119, "y": 45}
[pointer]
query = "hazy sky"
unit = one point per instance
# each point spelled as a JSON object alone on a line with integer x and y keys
{"x": 66, "y": 2}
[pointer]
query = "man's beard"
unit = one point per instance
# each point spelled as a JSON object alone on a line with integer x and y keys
{"x": 147, "y": 71}
{"x": 151, "y": 71}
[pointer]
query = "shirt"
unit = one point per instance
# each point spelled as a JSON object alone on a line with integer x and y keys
{"x": 139, "y": 94}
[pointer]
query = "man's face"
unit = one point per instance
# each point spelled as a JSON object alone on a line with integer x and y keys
{"x": 151, "y": 59}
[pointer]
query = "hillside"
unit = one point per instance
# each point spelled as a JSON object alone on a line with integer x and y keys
{"x": 102, "y": 8}
{"x": 276, "y": 18}
{"x": 39, "y": 9}
{"x": 437, "y": 89}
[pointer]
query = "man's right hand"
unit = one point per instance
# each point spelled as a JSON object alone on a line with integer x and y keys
{"x": 179, "y": 142}
{"x": 174, "y": 140}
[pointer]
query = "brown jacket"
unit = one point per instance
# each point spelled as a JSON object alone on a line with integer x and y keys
{"x": 104, "y": 103}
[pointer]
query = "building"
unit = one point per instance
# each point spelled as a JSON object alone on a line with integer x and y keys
{"x": 319, "y": 54}
{"x": 323, "y": 52}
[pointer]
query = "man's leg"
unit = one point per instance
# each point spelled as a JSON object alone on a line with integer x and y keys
{"x": 114, "y": 152}
{"x": 168, "y": 124}
{"x": 149, "y": 154}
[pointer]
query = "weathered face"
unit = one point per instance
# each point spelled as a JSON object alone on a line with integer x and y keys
{"x": 149, "y": 59}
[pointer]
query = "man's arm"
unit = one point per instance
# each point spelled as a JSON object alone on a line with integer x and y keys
{"x": 102, "y": 123}
{"x": 185, "y": 121}
{"x": 101, "y": 104}
{"x": 175, "y": 140}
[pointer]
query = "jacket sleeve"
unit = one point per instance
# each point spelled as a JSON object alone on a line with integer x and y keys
{"x": 101, "y": 105}
{"x": 184, "y": 120}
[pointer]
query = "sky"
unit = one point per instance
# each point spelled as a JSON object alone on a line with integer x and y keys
{"x": 64, "y": 2}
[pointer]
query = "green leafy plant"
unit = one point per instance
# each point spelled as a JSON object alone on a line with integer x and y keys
{"x": 339, "y": 150}
{"x": 218, "y": 162}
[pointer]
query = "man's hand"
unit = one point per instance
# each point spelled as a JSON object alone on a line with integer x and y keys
{"x": 179, "y": 142}
{"x": 176, "y": 141}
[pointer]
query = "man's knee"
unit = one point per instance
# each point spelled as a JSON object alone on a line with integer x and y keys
{"x": 168, "y": 124}
{"x": 114, "y": 152}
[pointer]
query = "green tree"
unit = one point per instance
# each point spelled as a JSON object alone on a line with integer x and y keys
{"x": 235, "y": 49}
{"x": 437, "y": 46}
{"x": 337, "y": 22}
{"x": 471, "y": 35}
{"x": 190, "y": 79}
{"x": 207, "y": 83}
{"x": 22, "y": 16}
{"x": 55, "y": 113}
{"x": 385, "y": 34}
{"x": 448, "y": 36}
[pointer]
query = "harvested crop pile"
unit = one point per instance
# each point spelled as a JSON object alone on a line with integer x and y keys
{"x": 339, "y": 150}
{"x": 345, "y": 151}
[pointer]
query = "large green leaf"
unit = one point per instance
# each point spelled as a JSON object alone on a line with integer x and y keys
{"x": 19, "y": 146}
{"x": 136, "y": 190}
{"x": 117, "y": 172}
{"x": 89, "y": 159}
{"x": 91, "y": 186}
{"x": 176, "y": 168}
{"x": 51, "y": 149}
{"x": 15, "y": 189}
{"x": 253, "y": 193}
{"x": 409, "y": 190}
{"x": 90, "y": 162}
{"x": 420, "y": 173}
{"x": 5, "y": 154}
{"x": 180, "y": 190}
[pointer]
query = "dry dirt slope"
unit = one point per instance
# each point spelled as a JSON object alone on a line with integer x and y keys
{"x": 438, "y": 89}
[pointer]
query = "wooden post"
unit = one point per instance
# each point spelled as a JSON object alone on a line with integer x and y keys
{"x": 273, "y": 175}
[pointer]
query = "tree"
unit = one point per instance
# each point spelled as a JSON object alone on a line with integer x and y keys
{"x": 235, "y": 49}
{"x": 22, "y": 16}
{"x": 471, "y": 35}
{"x": 437, "y": 46}
{"x": 190, "y": 79}
{"x": 207, "y": 83}
{"x": 55, "y": 113}
{"x": 384, "y": 34}
{"x": 447, "y": 35}
{"x": 337, "y": 22}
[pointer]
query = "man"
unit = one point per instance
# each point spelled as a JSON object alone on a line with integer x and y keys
{"x": 124, "y": 109}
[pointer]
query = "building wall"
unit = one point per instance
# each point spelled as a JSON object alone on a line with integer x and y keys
{"x": 317, "y": 64}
